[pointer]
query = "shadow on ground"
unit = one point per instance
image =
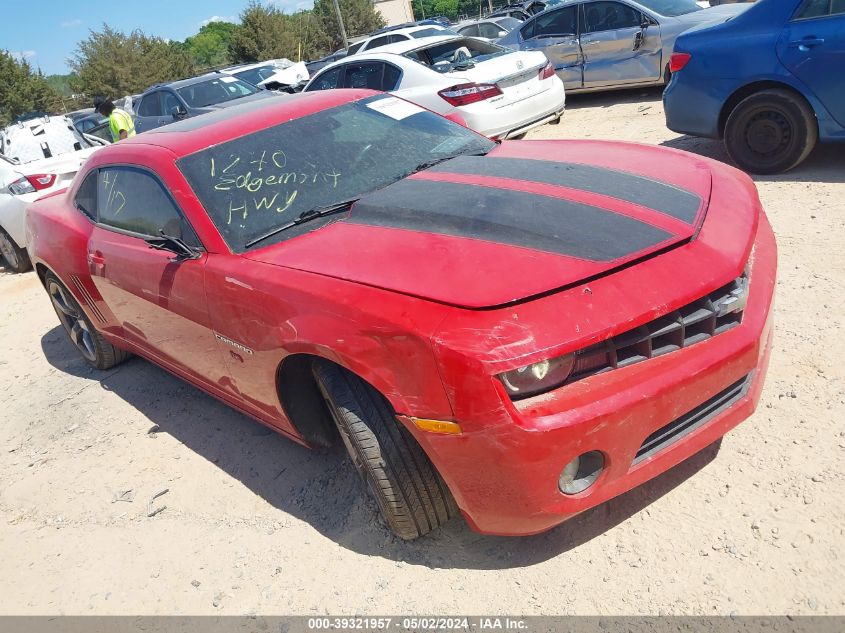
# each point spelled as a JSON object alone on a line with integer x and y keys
{"x": 825, "y": 164}
{"x": 605, "y": 99}
{"x": 322, "y": 488}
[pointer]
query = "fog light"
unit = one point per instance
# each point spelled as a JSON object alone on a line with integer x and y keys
{"x": 581, "y": 473}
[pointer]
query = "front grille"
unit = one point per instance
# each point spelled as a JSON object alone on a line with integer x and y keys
{"x": 712, "y": 314}
{"x": 696, "y": 418}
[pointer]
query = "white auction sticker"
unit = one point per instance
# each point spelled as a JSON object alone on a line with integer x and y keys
{"x": 227, "y": 79}
{"x": 395, "y": 108}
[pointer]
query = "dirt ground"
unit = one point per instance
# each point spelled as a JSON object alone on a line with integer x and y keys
{"x": 256, "y": 524}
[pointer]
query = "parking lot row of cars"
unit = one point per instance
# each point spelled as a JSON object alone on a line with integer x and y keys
{"x": 770, "y": 97}
{"x": 350, "y": 266}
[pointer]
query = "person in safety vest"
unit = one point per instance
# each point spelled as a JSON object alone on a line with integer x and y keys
{"x": 120, "y": 122}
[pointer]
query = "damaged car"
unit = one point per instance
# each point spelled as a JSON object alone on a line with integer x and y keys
{"x": 37, "y": 156}
{"x": 510, "y": 331}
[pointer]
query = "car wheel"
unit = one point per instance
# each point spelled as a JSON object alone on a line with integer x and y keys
{"x": 95, "y": 349}
{"x": 17, "y": 259}
{"x": 770, "y": 132}
{"x": 410, "y": 493}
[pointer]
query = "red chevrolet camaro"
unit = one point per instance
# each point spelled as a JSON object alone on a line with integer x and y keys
{"x": 517, "y": 330}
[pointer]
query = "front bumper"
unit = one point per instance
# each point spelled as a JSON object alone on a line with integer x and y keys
{"x": 505, "y": 478}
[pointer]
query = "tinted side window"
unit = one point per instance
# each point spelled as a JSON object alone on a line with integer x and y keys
{"x": 86, "y": 196}
{"x": 820, "y": 8}
{"x": 327, "y": 80}
{"x": 609, "y": 16}
{"x": 527, "y": 31}
{"x": 133, "y": 200}
{"x": 170, "y": 102}
{"x": 488, "y": 30}
{"x": 379, "y": 41}
{"x": 391, "y": 77}
{"x": 354, "y": 48}
{"x": 150, "y": 105}
{"x": 364, "y": 75}
{"x": 469, "y": 31}
{"x": 561, "y": 22}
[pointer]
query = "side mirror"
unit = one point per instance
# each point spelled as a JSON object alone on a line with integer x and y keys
{"x": 644, "y": 23}
{"x": 178, "y": 113}
{"x": 174, "y": 245}
{"x": 502, "y": 33}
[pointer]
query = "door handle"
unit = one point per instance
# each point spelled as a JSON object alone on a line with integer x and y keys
{"x": 97, "y": 262}
{"x": 807, "y": 43}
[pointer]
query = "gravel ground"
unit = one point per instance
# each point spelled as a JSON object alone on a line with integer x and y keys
{"x": 254, "y": 523}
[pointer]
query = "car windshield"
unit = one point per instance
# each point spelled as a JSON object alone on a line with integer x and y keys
{"x": 456, "y": 54}
{"x": 264, "y": 180}
{"x": 671, "y": 8}
{"x": 217, "y": 90}
{"x": 256, "y": 75}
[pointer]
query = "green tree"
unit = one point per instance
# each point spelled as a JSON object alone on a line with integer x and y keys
{"x": 359, "y": 17}
{"x": 23, "y": 89}
{"x": 264, "y": 33}
{"x": 113, "y": 64}
{"x": 210, "y": 47}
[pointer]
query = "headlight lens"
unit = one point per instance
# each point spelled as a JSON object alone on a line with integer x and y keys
{"x": 537, "y": 378}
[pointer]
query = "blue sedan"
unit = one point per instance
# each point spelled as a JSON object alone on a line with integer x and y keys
{"x": 770, "y": 82}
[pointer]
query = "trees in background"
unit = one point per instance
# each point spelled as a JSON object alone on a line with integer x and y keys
{"x": 22, "y": 89}
{"x": 359, "y": 18}
{"x": 211, "y": 47}
{"x": 112, "y": 64}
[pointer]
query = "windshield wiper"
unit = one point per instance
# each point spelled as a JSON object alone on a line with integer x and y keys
{"x": 431, "y": 163}
{"x": 305, "y": 216}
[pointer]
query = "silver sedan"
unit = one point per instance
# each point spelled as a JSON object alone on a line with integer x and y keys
{"x": 608, "y": 44}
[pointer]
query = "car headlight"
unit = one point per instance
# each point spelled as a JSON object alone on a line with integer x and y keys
{"x": 537, "y": 378}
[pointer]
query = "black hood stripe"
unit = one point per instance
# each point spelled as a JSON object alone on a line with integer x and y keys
{"x": 678, "y": 203}
{"x": 508, "y": 217}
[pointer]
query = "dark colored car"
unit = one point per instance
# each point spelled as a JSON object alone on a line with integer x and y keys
{"x": 770, "y": 82}
{"x": 166, "y": 103}
{"x": 94, "y": 124}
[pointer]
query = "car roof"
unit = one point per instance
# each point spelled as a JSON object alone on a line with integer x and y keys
{"x": 239, "y": 120}
{"x": 400, "y": 48}
{"x": 181, "y": 83}
{"x": 409, "y": 30}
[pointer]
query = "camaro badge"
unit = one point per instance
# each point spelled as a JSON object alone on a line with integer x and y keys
{"x": 229, "y": 341}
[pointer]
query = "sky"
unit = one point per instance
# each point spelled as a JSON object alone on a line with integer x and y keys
{"x": 47, "y": 34}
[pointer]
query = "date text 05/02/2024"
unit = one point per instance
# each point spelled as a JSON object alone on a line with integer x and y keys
{"x": 421, "y": 623}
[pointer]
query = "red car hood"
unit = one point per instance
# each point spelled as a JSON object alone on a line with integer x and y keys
{"x": 528, "y": 218}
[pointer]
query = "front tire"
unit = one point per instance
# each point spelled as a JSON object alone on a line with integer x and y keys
{"x": 410, "y": 493}
{"x": 770, "y": 132}
{"x": 16, "y": 258}
{"x": 96, "y": 350}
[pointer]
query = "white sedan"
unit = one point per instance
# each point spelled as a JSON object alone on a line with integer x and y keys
{"x": 37, "y": 157}
{"x": 496, "y": 91}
